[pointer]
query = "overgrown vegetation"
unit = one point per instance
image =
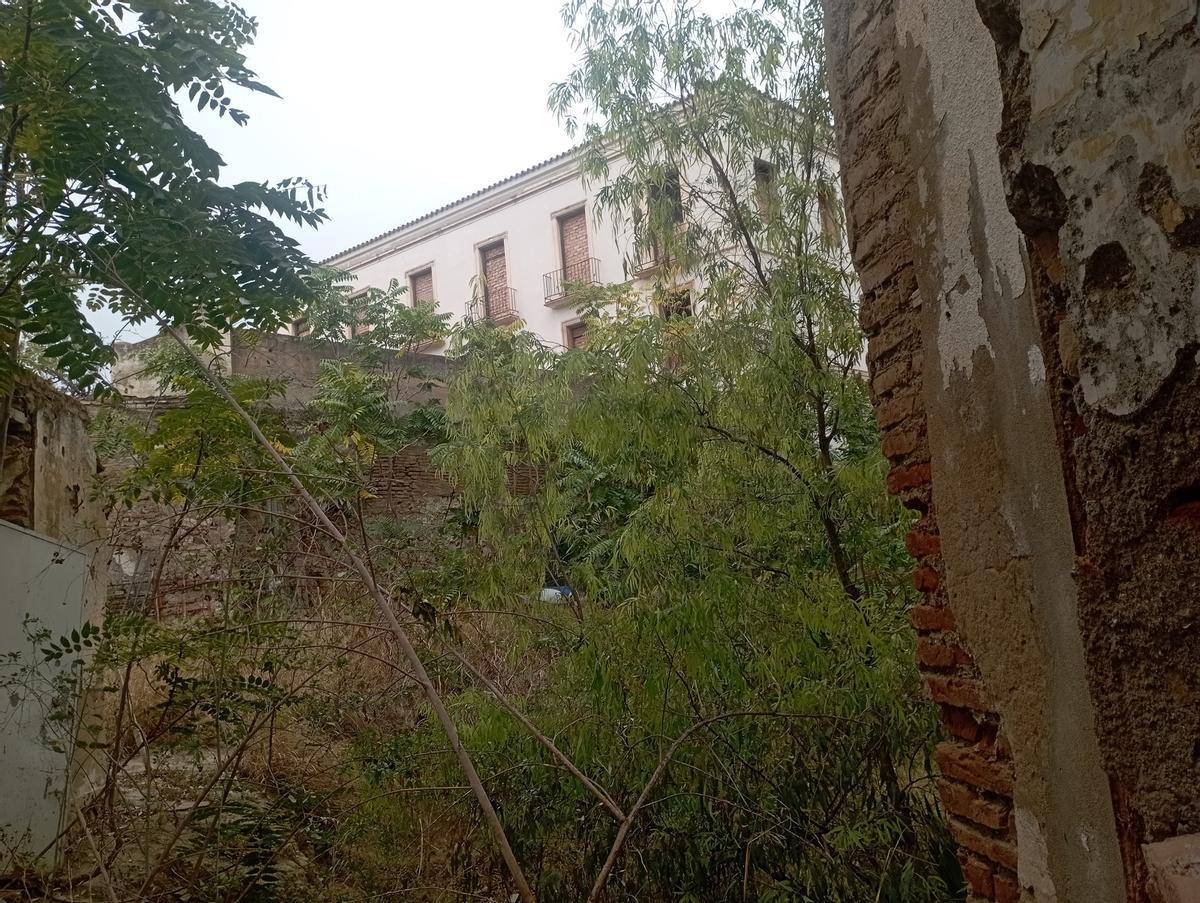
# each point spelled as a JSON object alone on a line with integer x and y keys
{"x": 677, "y": 655}
{"x": 109, "y": 198}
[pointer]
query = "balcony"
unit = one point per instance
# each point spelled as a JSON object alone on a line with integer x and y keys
{"x": 581, "y": 272}
{"x": 498, "y": 305}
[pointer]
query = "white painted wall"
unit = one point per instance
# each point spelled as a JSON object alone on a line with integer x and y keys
{"x": 42, "y": 586}
{"x": 522, "y": 213}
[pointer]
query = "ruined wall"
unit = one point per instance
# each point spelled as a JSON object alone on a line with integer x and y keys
{"x": 1101, "y": 151}
{"x": 415, "y": 377}
{"x": 1020, "y": 189}
{"x": 48, "y": 474}
{"x": 52, "y": 578}
{"x": 172, "y": 562}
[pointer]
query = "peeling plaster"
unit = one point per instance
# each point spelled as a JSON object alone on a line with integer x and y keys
{"x": 955, "y": 42}
{"x": 998, "y": 482}
{"x": 1037, "y": 366}
{"x": 1080, "y": 85}
{"x": 1113, "y": 128}
{"x": 1033, "y": 867}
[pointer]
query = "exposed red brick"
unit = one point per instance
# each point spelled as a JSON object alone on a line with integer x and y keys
{"x": 892, "y": 412}
{"x": 878, "y": 176}
{"x": 941, "y": 653}
{"x": 963, "y": 692}
{"x": 969, "y": 765}
{"x": 931, "y": 617}
{"x": 898, "y": 443}
{"x": 1006, "y": 888}
{"x": 974, "y": 806}
{"x": 908, "y": 477}
{"x": 962, "y": 723}
{"x": 922, "y": 542}
{"x": 926, "y": 579}
{"x": 978, "y": 875}
{"x": 891, "y": 377}
{"x": 983, "y": 843}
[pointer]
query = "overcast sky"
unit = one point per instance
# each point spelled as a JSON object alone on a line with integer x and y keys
{"x": 397, "y": 106}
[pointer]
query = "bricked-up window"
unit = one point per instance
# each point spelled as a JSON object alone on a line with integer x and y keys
{"x": 573, "y": 245}
{"x": 420, "y": 286}
{"x": 495, "y": 279}
{"x": 667, "y": 192}
{"x": 664, "y": 206}
{"x": 829, "y": 215}
{"x": 764, "y": 185}
{"x": 677, "y": 303}
{"x": 576, "y": 335}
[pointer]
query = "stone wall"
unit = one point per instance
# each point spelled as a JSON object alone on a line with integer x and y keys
{"x": 1020, "y": 182}
{"x": 414, "y": 378}
{"x": 172, "y": 562}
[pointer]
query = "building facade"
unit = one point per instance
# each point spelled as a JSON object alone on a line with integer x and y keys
{"x": 506, "y": 252}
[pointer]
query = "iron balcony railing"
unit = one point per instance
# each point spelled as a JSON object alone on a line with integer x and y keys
{"x": 581, "y": 272}
{"x": 497, "y": 304}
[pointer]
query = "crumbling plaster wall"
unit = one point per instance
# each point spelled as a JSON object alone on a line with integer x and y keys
{"x": 998, "y": 483}
{"x": 48, "y": 477}
{"x": 47, "y": 488}
{"x": 1101, "y": 148}
{"x": 1022, "y": 186}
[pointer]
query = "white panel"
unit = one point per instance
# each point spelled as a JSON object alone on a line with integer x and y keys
{"x": 41, "y": 587}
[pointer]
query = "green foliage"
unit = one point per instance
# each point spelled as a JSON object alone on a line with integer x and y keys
{"x": 687, "y": 498}
{"x": 199, "y": 451}
{"x": 711, "y": 488}
{"x": 108, "y": 194}
{"x": 377, "y": 321}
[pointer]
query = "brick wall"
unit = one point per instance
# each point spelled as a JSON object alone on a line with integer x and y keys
{"x": 573, "y": 236}
{"x": 406, "y": 481}
{"x": 976, "y": 781}
{"x": 422, "y": 286}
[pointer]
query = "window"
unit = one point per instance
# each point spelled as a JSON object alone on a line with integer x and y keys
{"x": 665, "y": 198}
{"x": 764, "y": 185}
{"x": 664, "y": 214}
{"x": 496, "y": 301}
{"x": 420, "y": 286}
{"x": 357, "y": 303}
{"x": 828, "y": 212}
{"x": 575, "y": 334}
{"x": 676, "y": 303}
{"x": 301, "y": 327}
{"x": 573, "y": 246}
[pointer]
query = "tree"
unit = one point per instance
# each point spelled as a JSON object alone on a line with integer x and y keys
{"x": 109, "y": 196}
{"x": 740, "y": 671}
{"x": 725, "y": 128}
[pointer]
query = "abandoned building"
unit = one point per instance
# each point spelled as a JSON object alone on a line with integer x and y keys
{"x": 1022, "y": 182}
{"x": 524, "y": 240}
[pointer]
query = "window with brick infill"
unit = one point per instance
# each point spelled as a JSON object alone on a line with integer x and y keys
{"x": 576, "y": 335}
{"x": 420, "y": 286}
